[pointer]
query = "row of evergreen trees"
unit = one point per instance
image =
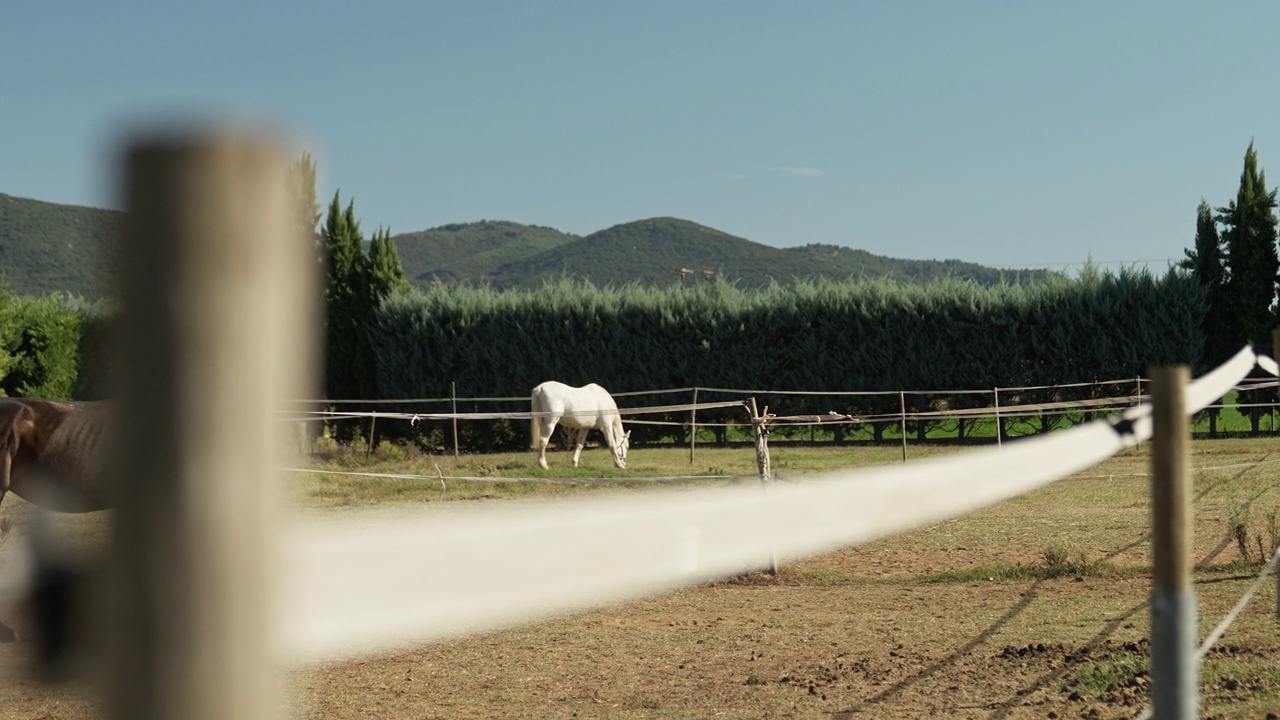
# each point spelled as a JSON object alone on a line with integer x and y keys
{"x": 1235, "y": 259}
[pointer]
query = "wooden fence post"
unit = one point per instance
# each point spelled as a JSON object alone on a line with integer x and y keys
{"x": 220, "y": 302}
{"x": 693, "y": 421}
{"x": 762, "y": 443}
{"x": 999, "y": 425}
{"x": 453, "y": 396}
{"x": 1138, "y": 391}
{"x": 758, "y": 424}
{"x": 1174, "y": 669}
{"x": 902, "y": 422}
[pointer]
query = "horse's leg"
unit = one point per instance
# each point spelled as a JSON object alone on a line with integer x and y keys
{"x": 548, "y": 426}
{"x": 6, "y": 465}
{"x": 535, "y": 433}
{"x": 581, "y": 442}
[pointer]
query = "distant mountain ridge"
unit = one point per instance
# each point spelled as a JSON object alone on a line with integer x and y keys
{"x": 654, "y": 251}
{"x": 47, "y": 247}
{"x": 470, "y": 251}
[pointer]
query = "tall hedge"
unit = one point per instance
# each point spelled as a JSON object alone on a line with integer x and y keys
{"x": 869, "y": 335}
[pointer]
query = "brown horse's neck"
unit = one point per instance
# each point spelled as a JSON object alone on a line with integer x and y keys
{"x": 48, "y": 417}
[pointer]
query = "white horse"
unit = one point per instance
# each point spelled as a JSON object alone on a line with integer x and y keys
{"x": 581, "y": 409}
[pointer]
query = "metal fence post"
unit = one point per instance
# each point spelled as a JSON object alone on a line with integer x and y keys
{"x": 1174, "y": 668}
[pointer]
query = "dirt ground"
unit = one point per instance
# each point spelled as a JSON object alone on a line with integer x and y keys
{"x": 866, "y": 632}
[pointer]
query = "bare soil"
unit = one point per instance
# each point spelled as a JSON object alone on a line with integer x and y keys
{"x": 869, "y": 631}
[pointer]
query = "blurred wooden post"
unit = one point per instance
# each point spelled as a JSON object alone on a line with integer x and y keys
{"x": 373, "y": 419}
{"x": 1174, "y": 669}
{"x": 693, "y": 419}
{"x": 1275, "y": 353}
{"x": 220, "y": 309}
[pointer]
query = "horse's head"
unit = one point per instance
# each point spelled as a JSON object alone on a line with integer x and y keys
{"x": 620, "y": 450}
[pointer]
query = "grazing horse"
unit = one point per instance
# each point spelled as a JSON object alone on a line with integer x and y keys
{"x": 577, "y": 408}
{"x": 52, "y": 453}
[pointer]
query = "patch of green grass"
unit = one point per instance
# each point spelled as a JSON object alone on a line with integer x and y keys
{"x": 1108, "y": 673}
{"x": 1234, "y": 419}
{"x": 1224, "y": 674}
{"x": 998, "y": 571}
{"x": 1237, "y": 567}
{"x": 1023, "y": 571}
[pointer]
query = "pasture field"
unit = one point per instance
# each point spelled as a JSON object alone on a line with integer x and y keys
{"x": 1032, "y": 608}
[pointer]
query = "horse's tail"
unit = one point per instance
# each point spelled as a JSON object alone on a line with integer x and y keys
{"x": 535, "y": 421}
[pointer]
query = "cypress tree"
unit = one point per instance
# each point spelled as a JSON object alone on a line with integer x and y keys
{"x": 355, "y": 284}
{"x": 1205, "y": 264}
{"x": 1249, "y": 239}
{"x": 386, "y": 274}
{"x": 349, "y": 308}
{"x": 302, "y": 188}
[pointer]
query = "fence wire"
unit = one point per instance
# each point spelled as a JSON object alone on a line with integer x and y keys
{"x": 1221, "y": 628}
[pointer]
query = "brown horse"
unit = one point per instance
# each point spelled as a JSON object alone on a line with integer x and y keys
{"x": 52, "y": 453}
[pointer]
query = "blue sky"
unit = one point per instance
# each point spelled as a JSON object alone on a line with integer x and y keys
{"x": 1007, "y": 133}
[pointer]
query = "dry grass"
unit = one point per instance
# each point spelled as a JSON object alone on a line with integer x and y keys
{"x": 1032, "y": 608}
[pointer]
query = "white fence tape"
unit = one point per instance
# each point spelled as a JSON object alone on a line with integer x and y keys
{"x": 378, "y": 580}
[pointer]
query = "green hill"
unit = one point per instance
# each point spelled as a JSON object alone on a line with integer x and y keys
{"x": 47, "y": 247}
{"x": 652, "y": 252}
{"x": 838, "y": 263}
{"x": 471, "y": 251}
{"x": 646, "y": 252}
